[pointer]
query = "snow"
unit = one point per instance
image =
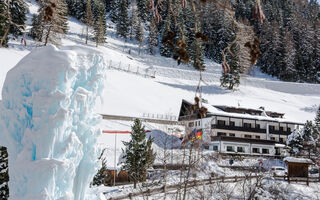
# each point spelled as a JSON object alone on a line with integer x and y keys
{"x": 126, "y": 94}
{"x": 297, "y": 160}
{"x": 48, "y": 124}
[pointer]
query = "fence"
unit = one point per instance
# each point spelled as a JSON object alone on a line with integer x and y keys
{"x": 160, "y": 116}
{"x": 193, "y": 183}
{"x": 145, "y": 72}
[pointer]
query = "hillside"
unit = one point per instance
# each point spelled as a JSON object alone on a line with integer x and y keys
{"x": 140, "y": 84}
{"x": 133, "y": 95}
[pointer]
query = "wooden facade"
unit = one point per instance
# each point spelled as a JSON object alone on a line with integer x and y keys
{"x": 121, "y": 177}
{"x": 298, "y": 168}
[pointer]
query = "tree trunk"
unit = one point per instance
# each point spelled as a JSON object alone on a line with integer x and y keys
{"x": 87, "y": 34}
{"x": 47, "y": 36}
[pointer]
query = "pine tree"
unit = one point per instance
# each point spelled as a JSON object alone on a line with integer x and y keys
{"x": 4, "y": 174}
{"x": 89, "y": 19}
{"x": 138, "y": 155}
{"x": 308, "y": 131}
{"x": 317, "y": 119}
{"x": 139, "y": 34}
{"x": 11, "y": 19}
{"x": 18, "y": 11}
{"x": 114, "y": 10}
{"x": 99, "y": 178}
{"x": 153, "y": 35}
{"x": 143, "y": 10}
{"x": 295, "y": 142}
{"x": 316, "y": 128}
{"x": 122, "y": 23}
{"x": 4, "y": 24}
{"x": 232, "y": 79}
{"x": 51, "y": 23}
{"x": 287, "y": 68}
{"x": 100, "y": 31}
{"x": 166, "y": 47}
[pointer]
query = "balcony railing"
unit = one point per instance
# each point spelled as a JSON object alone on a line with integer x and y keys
{"x": 247, "y": 129}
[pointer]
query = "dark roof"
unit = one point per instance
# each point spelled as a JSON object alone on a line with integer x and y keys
{"x": 250, "y": 111}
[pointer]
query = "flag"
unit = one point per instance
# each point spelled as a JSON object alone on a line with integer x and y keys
{"x": 194, "y": 135}
{"x": 199, "y": 134}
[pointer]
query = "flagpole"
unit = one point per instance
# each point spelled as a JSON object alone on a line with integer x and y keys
{"x": 115, "y": 159}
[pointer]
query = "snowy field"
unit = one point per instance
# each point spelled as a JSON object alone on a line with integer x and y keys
{"x": 132, "y": 94}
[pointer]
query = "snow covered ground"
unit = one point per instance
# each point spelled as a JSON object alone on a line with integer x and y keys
{"x": 131, "y": 94}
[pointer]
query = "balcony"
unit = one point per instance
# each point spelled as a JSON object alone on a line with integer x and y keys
{"x": 247, "y": 129}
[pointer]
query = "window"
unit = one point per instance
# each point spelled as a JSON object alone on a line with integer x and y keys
{"x": 206, "y": 147}
{"x": 257, "y": 136}
{"x": 265, "y": 151}
{"x": 232, "y": 123}
{"x": 215, "y": 148}
{"x": 232, "y": 134}
{"x": 221, "y": 122}
{"x": 289, "y": 129}
{"x": 240, "y": 149}
{"x": 255, "y": 150}
{"x": 258, "y": 126}
{"x": 230, "y": 148}
{"x": 247, "y": 136}
{"x": 281, "y": 128}
{"x": 281, "y": 140}
{"x": 247, "y": 125}
{"x": 273, "y": 138}
{"x": 212, "y": 138}
{"x": 191, "y": 124}
{"x": 271, "y": 128}
{"x": 221, "y": 134}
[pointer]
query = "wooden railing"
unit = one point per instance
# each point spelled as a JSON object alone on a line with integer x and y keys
{"x": 207, "y": 181}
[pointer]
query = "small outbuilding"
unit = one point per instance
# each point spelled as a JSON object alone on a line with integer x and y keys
{"x": 298, "y": 168}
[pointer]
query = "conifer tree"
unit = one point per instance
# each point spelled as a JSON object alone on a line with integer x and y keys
{"x": 4, "y": 24}
{"x": 51, "y": 23}
{"x": 122, "y": 23}
{"x": 317, "y": 119}
{"x": 100, "y": 31}
{"x": 287, "y": 67}
{"x": 166, "y": 47}
{"x": 139, "y": 34}
{"x": 295, "y": 142}
{"x": 307, "y": 133}
{"x": 153, "y": 35}
{"x": 18, "y": 11}
{"x": 89, "y": 19}
{"x": 4, "y": 174}
{"x": 138, "y": 155}
{"x": 143, "y": 10}
{"x": 36, "y": 31}
{"x": 99, "y": 178}
{"x": 232, "y": 79}
{"x": 12, "y": 17}
{"x": 114, "y": 10}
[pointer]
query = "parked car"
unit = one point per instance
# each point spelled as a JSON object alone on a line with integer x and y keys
{"x": 278, "y": 171}
{"x": 314, "y": 171}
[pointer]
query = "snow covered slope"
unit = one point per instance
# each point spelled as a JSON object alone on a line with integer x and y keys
{"x": 135, "y": 95}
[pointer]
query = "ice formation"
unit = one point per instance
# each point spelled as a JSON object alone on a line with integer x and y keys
{"x": 47, "y": 123}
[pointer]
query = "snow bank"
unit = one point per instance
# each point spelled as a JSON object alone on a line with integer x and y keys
{"x": 47, "y": 123}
